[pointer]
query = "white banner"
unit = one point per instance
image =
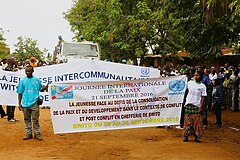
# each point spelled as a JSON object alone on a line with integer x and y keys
{"x": 82, "y": 70}
{"x": 92, "y": 106}
{"x": 8, "y": 87}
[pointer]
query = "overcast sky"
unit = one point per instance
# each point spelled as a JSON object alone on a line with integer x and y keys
{"x": 41, "y": 20}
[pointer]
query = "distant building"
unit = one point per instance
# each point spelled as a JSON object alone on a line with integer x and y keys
{"x": 183, "y": 57}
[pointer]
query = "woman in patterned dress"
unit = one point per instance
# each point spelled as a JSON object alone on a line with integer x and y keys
{"x": 193, "y": 119}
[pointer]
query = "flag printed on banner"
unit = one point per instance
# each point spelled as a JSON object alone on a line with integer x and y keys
{"x": 114, "y": 105}
{"x": 77, "y": 70}
{"x": 61, "y": 92}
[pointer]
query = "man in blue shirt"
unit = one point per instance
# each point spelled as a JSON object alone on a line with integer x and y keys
{"x": 28, "y": 93}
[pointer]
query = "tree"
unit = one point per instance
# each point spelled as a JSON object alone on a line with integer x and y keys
{"x": 124, "y": 29}
{"x": 4, "y": 50}
{"x": 207, "y": 26}
{"x": 26, "y": 48}
{"x": 127, "y": 29}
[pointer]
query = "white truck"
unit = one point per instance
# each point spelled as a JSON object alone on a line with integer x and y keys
{"x": 77, "y": 50}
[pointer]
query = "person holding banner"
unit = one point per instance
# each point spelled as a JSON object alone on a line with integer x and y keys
{"x": 28, "y": 94}
{"x": 193, "y": 119}
{"x": 11, "y": 61}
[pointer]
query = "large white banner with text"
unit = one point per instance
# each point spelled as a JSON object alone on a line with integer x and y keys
{"x": 92, "y": 106}
{"x": 76, "y": 71}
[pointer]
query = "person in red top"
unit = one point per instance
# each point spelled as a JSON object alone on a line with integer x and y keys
{"x": 33, "y": 61}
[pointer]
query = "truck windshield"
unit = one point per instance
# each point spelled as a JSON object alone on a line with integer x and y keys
{"x": 78, "y": 49}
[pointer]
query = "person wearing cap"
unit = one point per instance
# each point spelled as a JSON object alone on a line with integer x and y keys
{"x": 82, "y": 38}
{"x": 33, "y": 61}
{"x": 124, "y": 61}
{"x": 221, "y": 75}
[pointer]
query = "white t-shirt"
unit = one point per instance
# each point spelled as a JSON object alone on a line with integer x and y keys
{"x": 195, "y": 93}
{"x": 212, "y": 77}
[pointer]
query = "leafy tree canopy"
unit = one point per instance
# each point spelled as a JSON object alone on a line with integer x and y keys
{"x": 4, "y": 50}
{"x": 124, "y": 29}
{"x": 128, "y": 29}
{"x": 26, "y": 48}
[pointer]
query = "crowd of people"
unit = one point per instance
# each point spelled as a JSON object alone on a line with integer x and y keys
{"x": 227, "y": 77}
{"x": 28, "y": 95}
{"x": 18, "y": 65}
{"x": 11, "y": 64}
{"x": 208, "y": 89}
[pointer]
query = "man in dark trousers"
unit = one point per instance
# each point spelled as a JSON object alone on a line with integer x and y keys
{"x": 2, "y": 112}
{"x": 217, "y": 101}
{"x": 11, "y": 61}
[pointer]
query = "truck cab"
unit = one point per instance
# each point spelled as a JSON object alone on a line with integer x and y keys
{"x": 76, "y": 50}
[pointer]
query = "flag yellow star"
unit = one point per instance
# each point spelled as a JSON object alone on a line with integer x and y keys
{"x": 53, "y": 88}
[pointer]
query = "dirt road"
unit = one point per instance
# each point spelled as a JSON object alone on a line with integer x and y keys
{"x": 129, "y": 144}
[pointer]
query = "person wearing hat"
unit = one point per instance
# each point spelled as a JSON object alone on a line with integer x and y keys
{"x": 221, "y": 75}
{"x": 33, "y": 61}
